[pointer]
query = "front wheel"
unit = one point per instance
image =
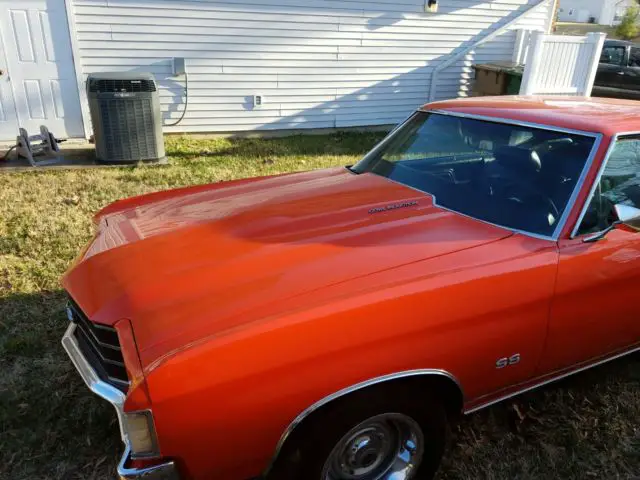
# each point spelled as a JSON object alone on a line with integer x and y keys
{"x": 374, "y": 436}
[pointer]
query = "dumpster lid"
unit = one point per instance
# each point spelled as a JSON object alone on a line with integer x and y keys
{"x": 502, "y": 67}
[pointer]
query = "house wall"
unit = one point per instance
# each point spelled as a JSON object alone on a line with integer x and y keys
{"x": 613, "y": 9}
{"x": 581, "y": 10}
{"x": 318, "y": 63}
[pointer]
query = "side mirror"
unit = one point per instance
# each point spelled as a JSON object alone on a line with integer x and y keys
{"x": 626, "y": 215}
{"x": 629, "y": 216}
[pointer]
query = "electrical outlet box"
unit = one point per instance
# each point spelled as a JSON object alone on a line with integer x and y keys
{"x": 258, "y": 101}
{"x": 179, "y": 66}
{"x": 431, "y": 6}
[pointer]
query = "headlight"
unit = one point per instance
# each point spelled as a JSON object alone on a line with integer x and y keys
{"x": 141, "y": 434}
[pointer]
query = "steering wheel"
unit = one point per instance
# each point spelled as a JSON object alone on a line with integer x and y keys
{"x": 513, "y": 190}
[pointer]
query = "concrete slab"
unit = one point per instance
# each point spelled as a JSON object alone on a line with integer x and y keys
{"x": 73, "y": 154}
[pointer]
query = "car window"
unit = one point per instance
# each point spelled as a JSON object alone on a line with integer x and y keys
{"x": 510, "y": 175}
{"x": 634, "y": 57}
{"x": 619, "y": 184}
{"x": 612, "y": 55}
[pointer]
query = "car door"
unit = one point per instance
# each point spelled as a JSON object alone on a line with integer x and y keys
{"x": 611, "y": 68}
{"x": 595, "y": 308}
{"x": 631, "y": 78}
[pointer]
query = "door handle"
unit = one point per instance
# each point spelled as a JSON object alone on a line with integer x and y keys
{"x": 620, "y": 73}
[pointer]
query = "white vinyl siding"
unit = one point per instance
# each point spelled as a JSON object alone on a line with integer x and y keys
{"x": 317, "y": 63}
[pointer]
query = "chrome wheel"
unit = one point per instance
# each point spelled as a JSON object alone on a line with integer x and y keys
{"x": 384, "y": 447}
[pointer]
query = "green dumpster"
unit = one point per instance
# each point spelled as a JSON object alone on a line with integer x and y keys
{"x": 498, "y": 78}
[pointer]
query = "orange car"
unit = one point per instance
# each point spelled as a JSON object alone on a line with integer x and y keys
{"x": 329, "y": 325}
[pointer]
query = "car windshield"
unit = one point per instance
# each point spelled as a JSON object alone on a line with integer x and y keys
{"x": 510, "y": 175}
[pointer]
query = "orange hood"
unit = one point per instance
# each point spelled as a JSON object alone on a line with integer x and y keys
{"x": 198, "y": 262}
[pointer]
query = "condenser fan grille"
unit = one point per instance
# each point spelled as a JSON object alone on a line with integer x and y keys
{"x": 128, "y": 118}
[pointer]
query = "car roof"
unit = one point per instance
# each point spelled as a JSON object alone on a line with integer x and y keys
{"x": 614, "y": 42}
{"x": 607, "y": 116}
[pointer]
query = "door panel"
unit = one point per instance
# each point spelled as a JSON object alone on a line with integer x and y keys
{"x": 610, "y": 76}
{"x": 594, "y": 311}
{"x": 8, "y": 118}
{"x": 40, "y": 67}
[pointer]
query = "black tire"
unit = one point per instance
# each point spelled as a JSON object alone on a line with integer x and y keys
{"x": 328, "y": 426}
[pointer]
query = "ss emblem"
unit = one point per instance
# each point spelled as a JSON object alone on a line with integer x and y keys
{"x": 506, "y": 362}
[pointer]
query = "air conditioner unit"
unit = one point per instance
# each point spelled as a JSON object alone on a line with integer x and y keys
{"x": 126, "y": 117}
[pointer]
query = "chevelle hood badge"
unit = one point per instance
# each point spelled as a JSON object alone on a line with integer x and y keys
{"x": 392, "y": 207}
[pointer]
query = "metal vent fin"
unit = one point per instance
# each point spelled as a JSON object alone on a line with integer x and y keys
{"x": 131, "y": 119}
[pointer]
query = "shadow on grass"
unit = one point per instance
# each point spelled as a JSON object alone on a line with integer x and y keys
{"x": 51, "y": 426}
{"x": 585, "y": 426}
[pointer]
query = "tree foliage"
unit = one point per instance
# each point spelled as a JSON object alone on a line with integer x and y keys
{"x": 628, "y": 28}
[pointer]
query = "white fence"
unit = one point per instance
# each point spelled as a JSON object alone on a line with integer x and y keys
{"x": 558, "y": 64}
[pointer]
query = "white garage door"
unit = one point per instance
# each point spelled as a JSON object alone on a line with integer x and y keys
{"x": 38, "y": 85}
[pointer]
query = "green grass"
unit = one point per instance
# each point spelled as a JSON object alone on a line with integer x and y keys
{"x": 569, "y": 28}
{"x": 51, "y": 427}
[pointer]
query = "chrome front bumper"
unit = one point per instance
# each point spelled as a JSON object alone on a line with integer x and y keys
{"x": 164, "y": 471}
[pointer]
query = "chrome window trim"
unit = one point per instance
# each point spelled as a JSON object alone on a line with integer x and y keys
{"x": 345, "y": 391}
{"x": 596, "y": 182}
{"x": 510, "y": 121}
{"x": 116, "y": 398}
{"x": 553, "y": 379}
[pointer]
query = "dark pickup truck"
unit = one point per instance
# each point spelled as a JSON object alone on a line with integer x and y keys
{"x": 619, "y": 71}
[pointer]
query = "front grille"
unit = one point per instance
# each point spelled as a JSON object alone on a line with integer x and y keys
{"x": 101, "y": 347}
{"x": 97, "y": 85}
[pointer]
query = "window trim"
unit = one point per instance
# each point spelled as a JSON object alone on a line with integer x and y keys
{"x": 628, "y": 63}
{"x": 596, "y": 181}
{"x": 626, "y": 55}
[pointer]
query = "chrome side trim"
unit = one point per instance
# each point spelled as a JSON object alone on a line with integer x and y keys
{"x": 359, "y": 386}
{"x": 553, "y": 379}
{"x": 596, "y": 182}
{"x": 164, "y": 471}
{"x": 581, "y": 179}
{"x": 108, "y": 392}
